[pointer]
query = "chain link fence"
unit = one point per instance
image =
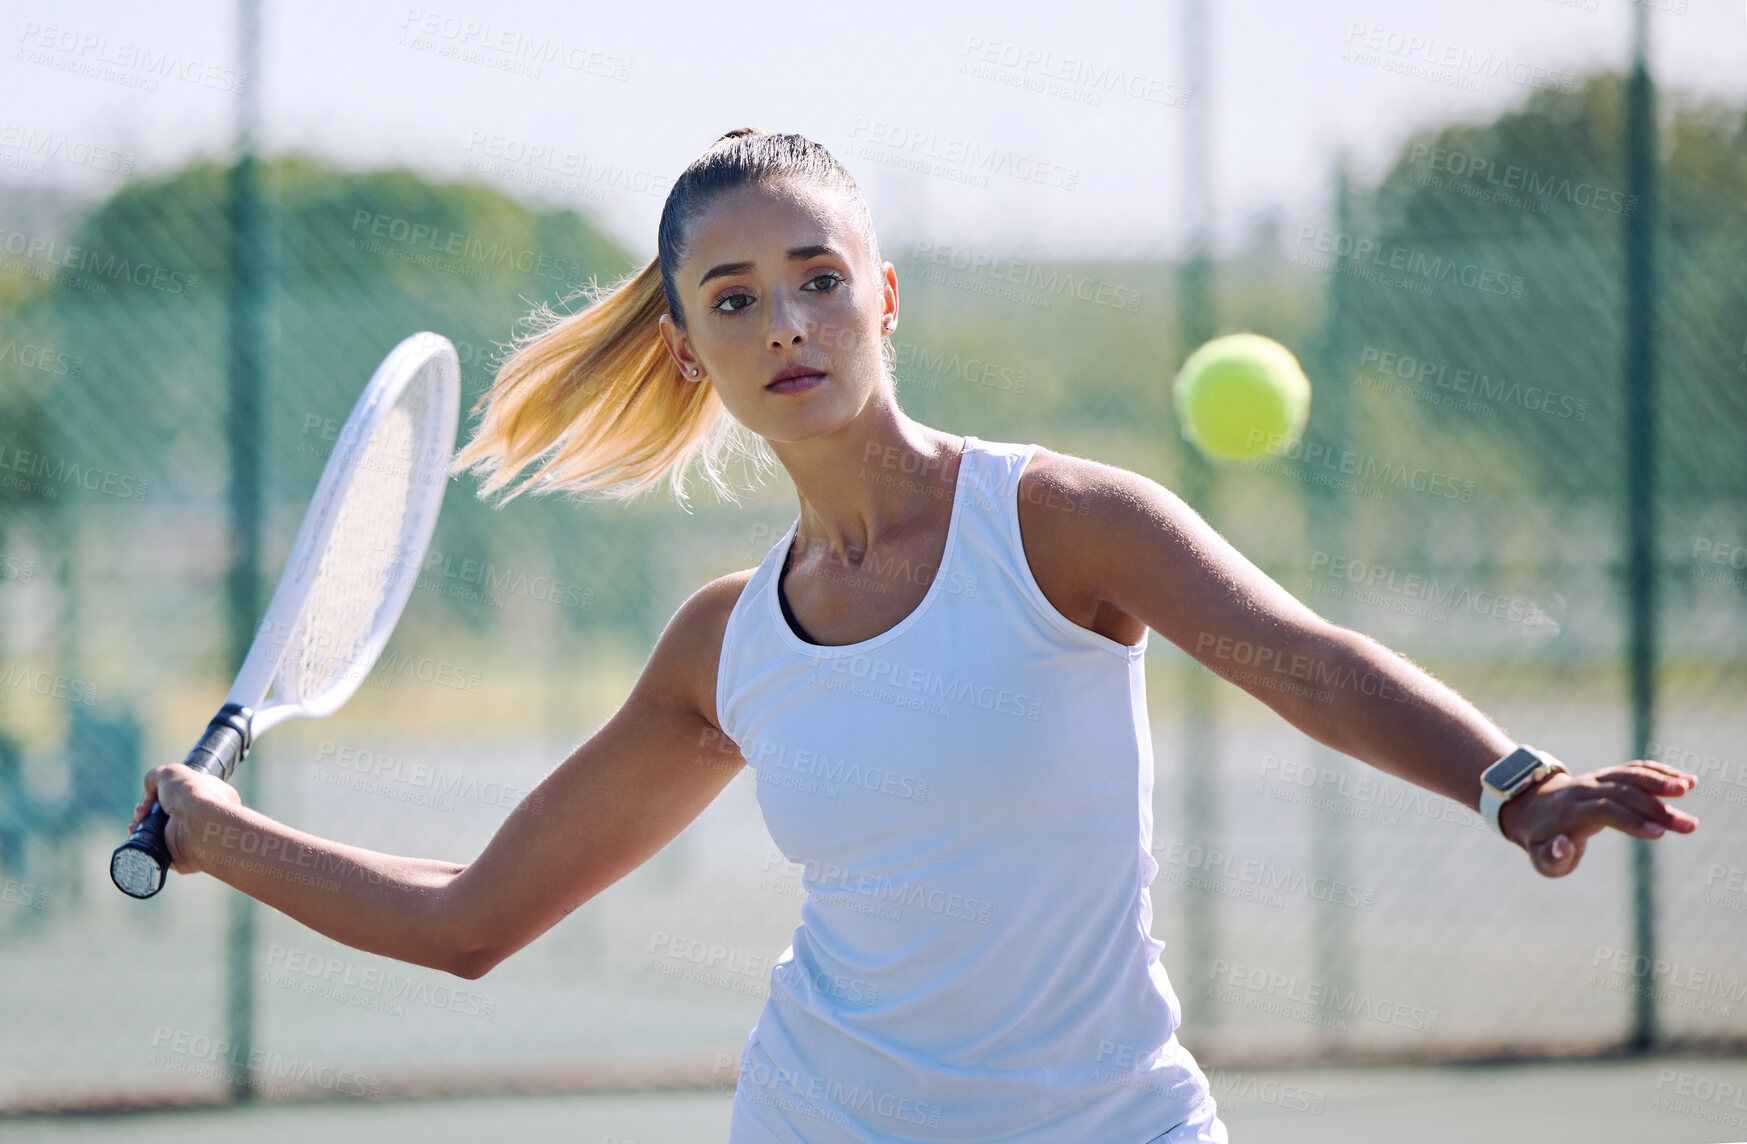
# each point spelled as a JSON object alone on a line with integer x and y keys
{"x": 1461, "y": 494}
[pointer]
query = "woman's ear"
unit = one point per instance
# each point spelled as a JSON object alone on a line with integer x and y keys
{"x": 889, "y": 303}
{"x": 675, "y": 340}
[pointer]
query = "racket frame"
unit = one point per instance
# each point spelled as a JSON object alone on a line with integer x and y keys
{"x": 285, "y": 611}
{"x": 244, "y": 716}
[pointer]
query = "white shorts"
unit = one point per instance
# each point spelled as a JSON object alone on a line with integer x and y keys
{"x": 755, "y": 1108}
{"x": 1203, "y": 1127}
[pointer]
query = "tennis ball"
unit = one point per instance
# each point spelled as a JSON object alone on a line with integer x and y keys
{"x": 1241, "y": 396}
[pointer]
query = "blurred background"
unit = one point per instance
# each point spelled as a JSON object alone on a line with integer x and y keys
{"x": 1508, "y": 241}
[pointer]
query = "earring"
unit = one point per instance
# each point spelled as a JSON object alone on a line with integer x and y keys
{"x": 694, "y": 371}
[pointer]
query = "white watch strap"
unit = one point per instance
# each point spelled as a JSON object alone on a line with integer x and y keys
{"x": 1489, "y": 809}
{"x": 1491, "y": 804}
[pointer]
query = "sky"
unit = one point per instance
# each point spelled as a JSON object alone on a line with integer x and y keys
{"x": 1043, "y": 128}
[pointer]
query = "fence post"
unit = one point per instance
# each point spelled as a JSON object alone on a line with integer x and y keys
{"x": 1640, "y": 443}
{"x": 243, "y": 594}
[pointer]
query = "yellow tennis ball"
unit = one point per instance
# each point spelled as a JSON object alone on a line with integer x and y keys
{"x": 1241, "y": 396}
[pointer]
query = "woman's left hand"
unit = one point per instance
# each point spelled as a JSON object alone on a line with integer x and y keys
{"x": 1554, "y": 819}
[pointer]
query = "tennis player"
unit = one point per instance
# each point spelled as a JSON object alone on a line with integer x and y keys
{"x": 937, "y": 675}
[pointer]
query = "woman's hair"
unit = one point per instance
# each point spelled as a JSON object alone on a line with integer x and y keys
{"x": 595, "y": 398}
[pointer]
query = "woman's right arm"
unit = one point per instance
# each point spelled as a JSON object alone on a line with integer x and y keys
{"x": 616, "y": 801}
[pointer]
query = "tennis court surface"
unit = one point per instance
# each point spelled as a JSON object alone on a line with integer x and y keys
{"x": 1665, "y": 1100}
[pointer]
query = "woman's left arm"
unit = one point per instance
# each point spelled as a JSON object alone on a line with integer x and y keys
{"x": 1146, "y": 552}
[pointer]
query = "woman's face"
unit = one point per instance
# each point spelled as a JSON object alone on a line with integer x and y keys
{"x": 777, "y": 277}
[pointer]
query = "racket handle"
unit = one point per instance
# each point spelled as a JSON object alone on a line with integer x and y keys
{"x": 139, "y": 865}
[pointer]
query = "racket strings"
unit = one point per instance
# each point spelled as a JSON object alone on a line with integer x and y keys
{"x": 369, "y": 549}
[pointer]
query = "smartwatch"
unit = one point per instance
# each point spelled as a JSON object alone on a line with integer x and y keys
{"x": 1511, "y": 776}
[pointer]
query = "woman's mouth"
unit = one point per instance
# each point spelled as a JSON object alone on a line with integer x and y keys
{"x": 795, "y": 381}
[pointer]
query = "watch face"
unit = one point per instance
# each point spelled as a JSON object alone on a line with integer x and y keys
{"x": 1512, "y": 769}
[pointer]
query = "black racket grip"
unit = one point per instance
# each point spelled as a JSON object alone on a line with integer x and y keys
{"x": 139, "y": 865}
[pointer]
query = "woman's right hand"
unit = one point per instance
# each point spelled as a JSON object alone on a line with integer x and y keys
{"x": 188, "y": 797}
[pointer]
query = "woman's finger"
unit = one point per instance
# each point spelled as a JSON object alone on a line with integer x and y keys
{"x": 1646, "y": 805}
{"x": 1559, "y": 855}
{"x": 1659, "y": 781}
{"x": 1603, "y": 812}
{"x": 1656, "y": 764}
{"x": 1644, "y": 794}
{"x": 144, "y": 805}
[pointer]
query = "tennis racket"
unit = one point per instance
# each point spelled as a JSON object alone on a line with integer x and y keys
{"x": 355, "y": 561}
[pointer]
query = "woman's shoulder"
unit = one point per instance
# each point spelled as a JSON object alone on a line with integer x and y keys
{"x": 1066, "y": 510}
{"x": 691, "y": 647}
{"x": 1076, "y": 485}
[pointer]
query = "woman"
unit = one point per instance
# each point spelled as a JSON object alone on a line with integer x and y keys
{"x": 957, "y": 623}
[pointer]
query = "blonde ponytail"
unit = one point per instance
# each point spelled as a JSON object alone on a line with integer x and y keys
{"x": 595, "y": 398}
{"x": 597, "y": 395}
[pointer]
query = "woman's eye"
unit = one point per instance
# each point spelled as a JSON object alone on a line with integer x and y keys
{"x": 831, "y": 277}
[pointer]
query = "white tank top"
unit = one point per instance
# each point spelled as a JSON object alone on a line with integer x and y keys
{"x": 969, "y": 798}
